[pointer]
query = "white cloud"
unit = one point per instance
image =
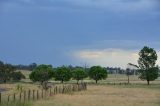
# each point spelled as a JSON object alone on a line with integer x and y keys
{"x": 108, "y": 57}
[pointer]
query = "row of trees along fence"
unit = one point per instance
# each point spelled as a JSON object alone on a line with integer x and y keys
{"x": 40, "y": 94}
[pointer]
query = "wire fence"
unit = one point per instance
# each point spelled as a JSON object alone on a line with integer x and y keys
{"x": 36, "y": 94}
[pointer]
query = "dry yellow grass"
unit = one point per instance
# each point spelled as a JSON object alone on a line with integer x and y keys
{"x": 101, "y": 95}
{"x": 106, "y": 96}
{"x": 13, "y": 88}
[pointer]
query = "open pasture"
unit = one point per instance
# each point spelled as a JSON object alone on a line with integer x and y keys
{"x": 106, "y": 95}
{"x": 138, "y": 93}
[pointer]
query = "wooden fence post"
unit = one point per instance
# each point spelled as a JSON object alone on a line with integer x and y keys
{"x": 59, "y": 89}
{"x": 45, "y": 92}
{"x": 78, "y": 87}
{"x": 56, "y": 90}
{"x": 72, "y": 87}
{"x": 63, "y": 89}
{"x": 8, "y": 97}
{"x": 20, "y": 96}
{"x": 42, "y": 93}
{"x": 68, "y": 89}
{"x": 29, "y": 93}
{"x": 14, "y": 97}
{"x": 24, "y": 95}
{"x": 33, "y": 94}
{"x": 37, "y": 94}
{"x": 50, "y": 92}
{"x": 85, "y": 86}
{"x": 0, "y": 97}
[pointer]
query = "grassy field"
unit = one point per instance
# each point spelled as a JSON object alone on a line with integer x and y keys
{"x": 105, "y": 95}
{"x": 136, "y": 94}
{"x": 110, "y": 95}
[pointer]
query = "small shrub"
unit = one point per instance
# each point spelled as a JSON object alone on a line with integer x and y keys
{"x": 19, "y": 87}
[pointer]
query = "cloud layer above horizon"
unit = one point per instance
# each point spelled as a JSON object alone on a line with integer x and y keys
{"x": 127, "y": 52}
{"x": 109, "y": 57}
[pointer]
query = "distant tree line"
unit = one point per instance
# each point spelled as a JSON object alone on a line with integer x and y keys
{"x": 110, "y": 70}
{"x": 8, "y": 73}
{"x": 43, "y": 73}
{"x": 25, "y": 67}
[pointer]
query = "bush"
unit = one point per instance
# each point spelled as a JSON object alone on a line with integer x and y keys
{"x": 17, "y": 76}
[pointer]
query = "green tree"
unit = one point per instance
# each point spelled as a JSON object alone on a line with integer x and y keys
{"x": 79, "y": 74}
{"x": 1, "y": 71}
{"x": 63, "y": 74}
{"x": 159, "y": 73}
{"x": 147, "y": 61}
{"x": 6, "y": 71}
{"x": 42, "y": 73}
{"x": 97, "y": 73}
{"x": 17, "y": 76}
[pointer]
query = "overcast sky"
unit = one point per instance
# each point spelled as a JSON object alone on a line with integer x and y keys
{"x": 63, "y": 32}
